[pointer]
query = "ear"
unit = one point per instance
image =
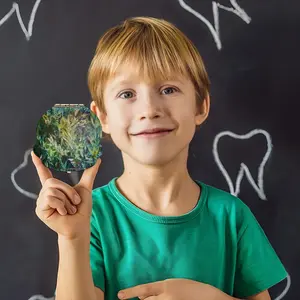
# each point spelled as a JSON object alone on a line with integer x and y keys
{"x": 102, "y": 116}
{"x": 203, "y": 111}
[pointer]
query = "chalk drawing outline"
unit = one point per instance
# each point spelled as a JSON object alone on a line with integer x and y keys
{"x": 259, "y": 188}
{"x": 73, "y": 175}
{"x": 287, "y": 287}
{"x": 40, "y": 297}
{"x": 215, "y": 29}
{"x": 16, "y": 9}
{"x": 16, "y": 170}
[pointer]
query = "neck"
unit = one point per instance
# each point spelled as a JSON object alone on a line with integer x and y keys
{"x": 164, "y": 189}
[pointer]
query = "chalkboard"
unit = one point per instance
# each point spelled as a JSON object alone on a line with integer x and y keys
{"x": 249, "y": 145}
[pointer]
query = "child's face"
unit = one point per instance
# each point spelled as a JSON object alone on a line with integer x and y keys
{"x": 133, "y": 105}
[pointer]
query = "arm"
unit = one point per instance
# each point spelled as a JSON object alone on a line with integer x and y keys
{"x": 261, "y": 296}
{"x": 258, "y": 267}
{"x": 100, "y": 294}
{"x": 74, "y": 279}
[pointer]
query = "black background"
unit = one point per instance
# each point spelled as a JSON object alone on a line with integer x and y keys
{"x": 254, "y": 86}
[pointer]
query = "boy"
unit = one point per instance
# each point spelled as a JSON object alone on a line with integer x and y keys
{"x": 153, "y": 232}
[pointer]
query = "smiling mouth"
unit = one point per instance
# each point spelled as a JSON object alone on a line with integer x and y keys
{"x": 154, "y": 134}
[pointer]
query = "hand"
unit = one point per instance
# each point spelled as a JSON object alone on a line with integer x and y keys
{"x": 174, "y": 289}
{"x": 57, "y": 205}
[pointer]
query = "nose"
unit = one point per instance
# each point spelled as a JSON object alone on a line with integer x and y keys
{"x": 150, "y": 106}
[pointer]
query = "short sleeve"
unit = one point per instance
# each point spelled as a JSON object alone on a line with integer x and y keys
{"x": 258, "y": 267}
{"x": 96, "y": 254}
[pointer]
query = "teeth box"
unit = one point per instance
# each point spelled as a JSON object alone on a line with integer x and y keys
{"x": 68, "y": 138}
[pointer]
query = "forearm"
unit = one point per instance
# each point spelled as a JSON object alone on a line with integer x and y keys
{"x": 227, "y": 297}
{"x": 223, "y": 296}
{"x": 74, "y": 279}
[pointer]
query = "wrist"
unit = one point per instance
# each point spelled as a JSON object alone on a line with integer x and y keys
{"x": 74, "y": 241}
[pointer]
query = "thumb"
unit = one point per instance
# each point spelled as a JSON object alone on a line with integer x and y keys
{"x": 89, "y": 175}
{"x": 43, "y": 172}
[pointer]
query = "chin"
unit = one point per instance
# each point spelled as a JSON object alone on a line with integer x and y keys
{"x": 154, "y": 159}
{"x": 156, "y": 155}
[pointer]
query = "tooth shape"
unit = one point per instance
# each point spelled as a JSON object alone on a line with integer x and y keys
{"x": 259, "y": 186}
{"x": 215, "y": 30}
{"x": 285, "y": 291}
{"x": 15, "y": 8}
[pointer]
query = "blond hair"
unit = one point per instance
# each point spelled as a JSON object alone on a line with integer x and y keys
{"x": 156, "y": 47}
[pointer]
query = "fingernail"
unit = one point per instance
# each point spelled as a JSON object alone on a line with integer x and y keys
{"x": 120, "y": 295}
{"x": 73, "y": 209}
{"x": 77, "y": 199}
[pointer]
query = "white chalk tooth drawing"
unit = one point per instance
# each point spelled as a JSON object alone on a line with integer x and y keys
{"x": 16, "y": 9}
{"x": 259, "y": 186}
{"x": 215, "y": 30}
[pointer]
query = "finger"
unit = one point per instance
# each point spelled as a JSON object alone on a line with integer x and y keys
{"x": 143, "y": 291}
{"x": 43, "y": 172}
{"x": 89, "y": 175}
{"x": 71, "y": 209}
{"x": 52, "y": 203}
{"x": 69, "y": 191}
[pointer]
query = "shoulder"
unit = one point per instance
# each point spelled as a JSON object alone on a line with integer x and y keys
{"x": 103, "y": 200}
{"x": 101, "y": 193}
{"x": 227, "y": 208}
{"x": 220, "y": 199}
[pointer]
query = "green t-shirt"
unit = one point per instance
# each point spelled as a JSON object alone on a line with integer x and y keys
{"x": 219, "y": 242}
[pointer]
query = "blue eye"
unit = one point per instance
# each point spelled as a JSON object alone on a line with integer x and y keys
{"x": 126, "y": 92}
{"x": 169, "y": 88}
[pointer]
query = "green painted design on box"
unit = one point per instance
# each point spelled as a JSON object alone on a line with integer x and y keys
{"x": 68, "y": 138}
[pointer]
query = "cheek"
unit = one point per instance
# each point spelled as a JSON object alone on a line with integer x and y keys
{"x": 186, "y": 120}
{"x": 185, "y": 115}
{"x": 118, "y": 120}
